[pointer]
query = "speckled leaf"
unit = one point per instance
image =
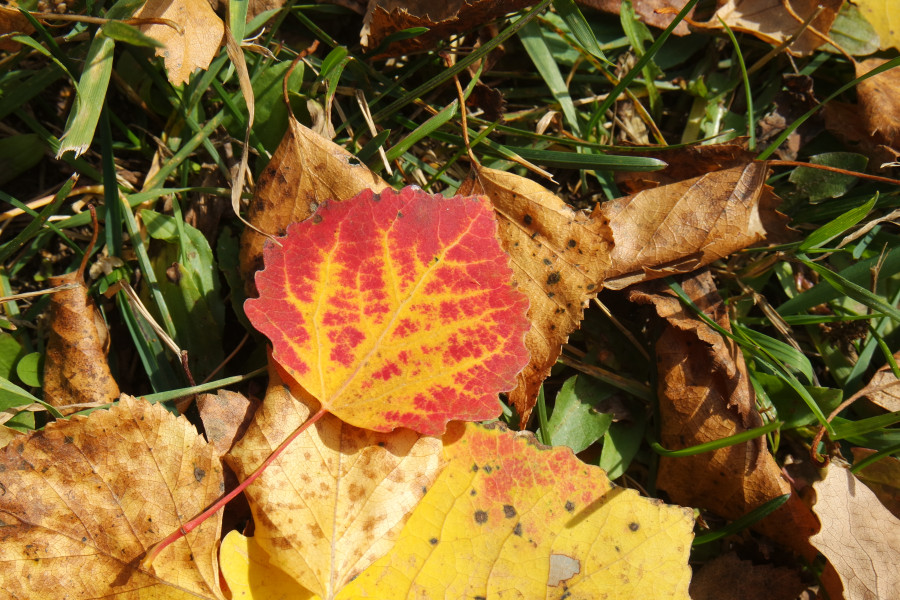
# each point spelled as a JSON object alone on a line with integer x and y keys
{"x": 338, "y": 497}
{"x": 82, "y": 501}
{"x": 395, "y": 310}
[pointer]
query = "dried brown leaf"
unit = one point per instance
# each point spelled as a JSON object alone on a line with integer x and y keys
{"x": 75, "y": 367}
{"x": 727, "y": 577}
{"x": 85, "y": 498}
{"x": 705, "y": 395}
{"x": 680, "y": 227}
{"x": 226, "y": 416}
{"x": 846, "y": 122}
{"x": 558, "y": 257}
{"x": 194, "y": 46}
{"x": 305, "y": 170}
{"x": 338, "y": 497}
{"x": 12, "y": 21}
{"x": 879, "y": 99}
{"x": 651, "y": 12}
{"x": 882, "y": 477}
{"x": 859, "y": 537}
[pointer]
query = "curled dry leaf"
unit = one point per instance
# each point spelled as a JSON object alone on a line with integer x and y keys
{"x": 705, "y": 395}
{"x": 337, "y": 498}
{"x": 558, "y": 258}
{"x": 683, "y": 226}
{"x": 859, "y": 537}
{"x": 771, "y": 22}
{"x": 83, "y": 500}
{"x": 878, "y": 99}
{"x": 508, "y": 514}
{"x": 305, "y": 171}
{"x": 75, "y": 367}
{"x": 194, "y": 46}
{"x": 395, "y": 310}
{"x": 657, "y": 13}
{"x": 443, "y": 19}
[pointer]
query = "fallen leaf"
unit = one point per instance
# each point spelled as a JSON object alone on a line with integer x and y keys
{"x": 83, "y": 500}
{"x": 882, "y": 15}
{"x": 75, "y": 367}
{"x": 878, "y": 101}
{"x": 8, "y": 434}
{"x": 507, "y": 514}
{"x": 11, "y": 22}
{"x": 558, "y": 257}
{"x": 305, "y": 171}
{"x": 705, "y": 395}
{"x": 652, "y": 12}
{"x": 882, "y": 477}
{"x": 226, "y": 416}
{"x": 443, "y": 19}
{"x": 727, "y": 577}
{"x": 794, "y": 100}
{"x": 846, "y": 122}
{"x": 884, "y": 391}
{"x": 395, "y": 310}
{"x": 250, "y": 575}
{"x": 337, "y": 498}
{"x": 194, "y": 46}
{"x": 771, "y": 22}
{"x": 680, "y": 227}
{"x": 859, "y": 537}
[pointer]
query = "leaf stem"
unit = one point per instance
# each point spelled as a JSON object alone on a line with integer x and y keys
{"x": 185, "y": 529}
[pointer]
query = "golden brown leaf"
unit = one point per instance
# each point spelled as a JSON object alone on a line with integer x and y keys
{"x": 879, "y": 99}
{"x": 859, "y": 537}
{"x": 305, "y": 171}
{"x": 194, "y": 46}
{"x": 771, "y": 22}
{"x": 729, "y": 578}
{"x": 649, "y": 11}
{"x": 337, "y": 498}
{"x": 75, "y": 367}
{"x": 558, "y": 257}
{"x": 683, "y": 226}
{"x": 12, "y": 21}
{"x": 705, "y": 395}
{"x": 82, "y": 500}
{"x": 226, "y": 416}
{"x": 882, "y": 477}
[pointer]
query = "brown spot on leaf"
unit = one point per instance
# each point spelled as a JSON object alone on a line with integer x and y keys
{"x": 481, "y": 517}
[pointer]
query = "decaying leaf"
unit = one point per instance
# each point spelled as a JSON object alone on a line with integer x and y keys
{"x": 657, "y": 13}
{"x": 488, "y": 527}
{"x": 558, "y": 257}
{"x": 226, "y": 416}
{"x": 705, "y": 395}
{"x": 859, "y": 537}
{"x": 337, "y": 498}
{"x": 885, "y": 388}
{"x": 11, "y": 22}
{"x": 75, "y": 367}
{"x": 729, "y": 578}
{"x": 771, "y": 22}
{"x": 882, "y": 477}
{"x": 395, "y": 310}
{"x": 878, "y": 99}
{"x": 443, "y": 19}
{"x": 847, "y": 122}
{"x": 84, "y": 499}
{"x": 304, "y": 172}
{"x": 680, "y": 227}
{"x": 194, "y": 46}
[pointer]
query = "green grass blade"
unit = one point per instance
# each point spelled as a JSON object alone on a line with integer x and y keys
{"x": 532, "y": 38}
{"x": 34, "y": 227}
{"x": 751, "y": 118}
{"x": 90, "y": 97}
{"x": 578, "y": 25}
{"x": 864, "y": 426}
{"x": 738, "y": 525}
{"x": 731, "y": 440}
{"x": 836, "y": 227}
{"x": 859, "y": 466}
{"x": 848, "y": 288}
{"x": 423, "y": 130}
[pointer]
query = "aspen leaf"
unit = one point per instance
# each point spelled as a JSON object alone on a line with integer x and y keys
{"x": 882, "y": 15}
{"x": 859, "y": 537}
{"x": 83, "y": 499}
{"x": 680, "y": 227}
{"x": 305, "y": 171}
{"x": 337, "y": 498}
{"x": 395, "y": 310}
{"x": 194, "y": 46}
{"x": 558, "y": 258}
{"x": 251, "y": 576}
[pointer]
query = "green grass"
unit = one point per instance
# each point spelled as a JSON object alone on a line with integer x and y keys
{"x": 161, "y": 154}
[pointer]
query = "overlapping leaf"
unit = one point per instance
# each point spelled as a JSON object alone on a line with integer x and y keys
{"x": 395, "y": 310}
{"x": 84, "y": 499}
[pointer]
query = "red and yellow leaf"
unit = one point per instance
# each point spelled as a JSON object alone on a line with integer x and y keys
{"x": 395, "y": 310}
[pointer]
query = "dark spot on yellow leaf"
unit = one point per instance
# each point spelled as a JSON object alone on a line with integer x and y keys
{"x": 481, "y": 517}
{"x": 433, "y": 541}
{"x": 571, "y": 243}
{"x": 590, "y": 286}
{"x": 570, "y": 506}
{"x": 550, "y": 294}
{"x": 633, "y": 526}
{"x": 527, "y": 219}
{"x": 487, "y": 469}
{"x": 474, "y": 468}
{"x": 517, "y": 530}
{"x": 199, "y": 473}
{"x": 68, "y": 439}
{"x": 424, "y": 489}
{"x": 473, "y": 493}
{"x": 547, "y": 262}
{"x": 509, "y": 511}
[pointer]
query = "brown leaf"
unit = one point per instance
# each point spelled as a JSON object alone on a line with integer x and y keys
{"x": 338, "y": 497}
{"x": 194, "y": 46}
{"x": 647, "y": 10}
{"x": 882, "y": 477}
{"x": 82, "y": 501}
{"x": 683, "y": 226}
{"x": 442, "y": 19}
{"x": 795, "y": 99}
{"x": 846, "y": 122}
{"x": 884, "y": 388}
{"x": 771, "y": 22}
{"x": 75, "y": 367}
{"x": 12, "y": 21}
{"x": 727, "y": 577}
{"x": 878, "y": 99}
{"x": 705, "y": 395}
{"x": 226, "y": 416}
{"x": 305, "y": 170}
{"x": 558, "y": 255}
{"x": 859, "y": 537}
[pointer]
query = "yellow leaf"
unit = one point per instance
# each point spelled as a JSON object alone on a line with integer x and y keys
{"x": 884, "y": 18}
{"x": 337, "y": 498}
{"x": 82, "y": 501}
{"x": 251, "y": 576}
